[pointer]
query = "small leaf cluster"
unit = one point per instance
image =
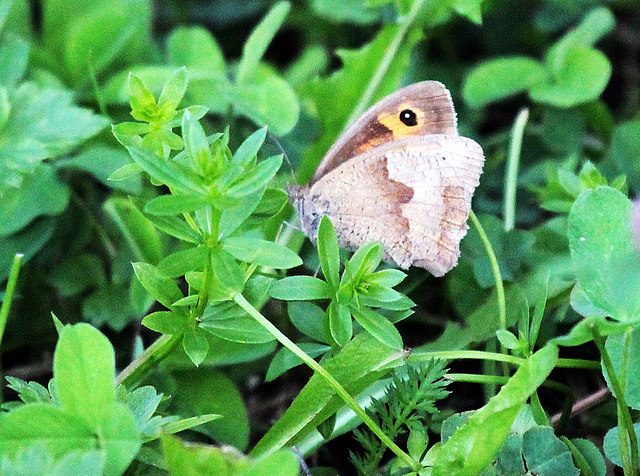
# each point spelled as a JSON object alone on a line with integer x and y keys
{"x": 408, "y": 405}
{"x": 558, "y": 81}
{"x": 213, "y": 193}
{"x": 353, "y": 295}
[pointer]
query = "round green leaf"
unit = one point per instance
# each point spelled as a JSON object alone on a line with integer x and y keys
{"x": 500, "y": 78}
{"x": 582, "y": 78}
{"x": 604, "y": 251}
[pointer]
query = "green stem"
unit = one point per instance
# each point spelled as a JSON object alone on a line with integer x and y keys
{"x": 5, "y": 307}
{"x": 628, "y": 439}
{"x": 513, "y": 163}
{"x": 502, "y": 303}
{"x": 419, "y": 356}
{"x": 333, "y": 383}
{"x": 385, "y": 64}
{"x": 136, "y": 370}
{"x": 8, "y": 293}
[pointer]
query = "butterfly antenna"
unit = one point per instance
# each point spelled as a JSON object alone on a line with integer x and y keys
{"x": 278, "y": 145}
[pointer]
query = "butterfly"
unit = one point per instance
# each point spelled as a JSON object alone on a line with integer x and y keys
{"x": 400, "y": 175}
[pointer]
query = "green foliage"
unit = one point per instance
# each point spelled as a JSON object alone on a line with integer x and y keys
{"x": 178, "y": 220}
{"x": 407, "y": 406}
{"x": 353, "y": 294}
{"x": 573, "y": 72}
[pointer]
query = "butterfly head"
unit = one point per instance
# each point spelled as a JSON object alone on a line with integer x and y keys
{"x": 307, "y": 209}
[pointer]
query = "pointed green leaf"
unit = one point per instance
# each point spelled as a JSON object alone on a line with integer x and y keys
{"x": 261, "y": 252}
{"x": 249, "y": 148}
{"x": 260, "y": 39}
{"x": 300, "y": 288}
{"x": 162, "y": 288}
{"x": 379, "y": 327}
{"x": 329, "y": 252}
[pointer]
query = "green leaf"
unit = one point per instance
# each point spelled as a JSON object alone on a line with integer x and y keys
{"x": 329, "y": 252}
{"x": 195, "y": 142}
{"x": 588, "y": 454}
{"x": 350, "y": 11}
{"x": 14, "y": 52}
{"x": 624, "y": 351}
{"x": 507, "y": 339}
{"x": 234, "y": 216}
{"x": 623, "y": 153}
{"x": 224, "y": 399}
{"x": 257, "y": 178}
{"x": 474, "y": 445}
{"x": 283, "y": 462}
{"x": 363, "y": 263}
{"x": 165, "y": 172}
{"x": 43, "y": 123}
{"x": 175, "y": 204}
{"x": 84, "y": 369}
{"x": 195, "y": 345}
{"x": 39, "y": 193}
{"x": 177, "y": 227}
{"x": 583, "y": 76}
{"x": 386, "y": 277}
{"x": 162, "y": 288}
{"x": 308, "y": 318}
{"x": 379, "y": 327}
{"x": 259, "y": 40}
{"x": 143, "y": 104}
{"x": 340, "y": 324}
{"x": 195, "y": 47}
{"x": 120, "y": 437}
{"x": 611, "y": 443}
{"x": 582, "y": 332}
{"x": 261, "y": 252}
{"x": 357, "y": 85}
{"x": 141, "y": 235}
{"x": 249, "y": 148}
{"x": 285, "y": 359}
{"x": 361, "y": 362}
{"x": 300, "y": 288}
{"x": 227, "y": 271}
{"x": 166, "y": 322}
{"x": 173, "y": 90}
{"x": 191, "y": 459}
{"x": 545, "y": 454}
{"x": 228, "y": 321}
{"x": 181, "y": 262}
{"x": 95, "y": 42}
{"x": 57, "y": 429}
{"x": 597, "y": 23}
{"x": 604, "y": 251}
{"x": 268, "y": 100}
{"x": 500, "y": 78}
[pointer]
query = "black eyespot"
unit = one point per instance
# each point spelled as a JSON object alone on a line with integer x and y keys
{"x": 409, "y": 118}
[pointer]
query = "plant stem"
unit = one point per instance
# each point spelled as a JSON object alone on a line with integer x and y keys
{"x": 135, "y": 371}
{"x": 8, "y": 293}
{"x": 502, "y": 304}
{"x": 513, "y": 163}
{"x": 384, "y": 65}
{"x": 333, "y": 383}
{"x": 627, "y": 434}
{"x": 418, "y": 356}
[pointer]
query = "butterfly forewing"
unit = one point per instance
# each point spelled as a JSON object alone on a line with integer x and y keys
{"x": 431, "y": 103}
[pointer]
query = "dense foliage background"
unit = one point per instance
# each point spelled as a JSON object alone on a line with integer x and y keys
{"x": 549, "y": 88}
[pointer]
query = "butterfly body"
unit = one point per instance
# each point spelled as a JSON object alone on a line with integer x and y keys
{"x": 409, "y": 184}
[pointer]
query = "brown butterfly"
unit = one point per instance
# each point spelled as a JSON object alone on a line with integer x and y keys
{"x": 400, "y": 175}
